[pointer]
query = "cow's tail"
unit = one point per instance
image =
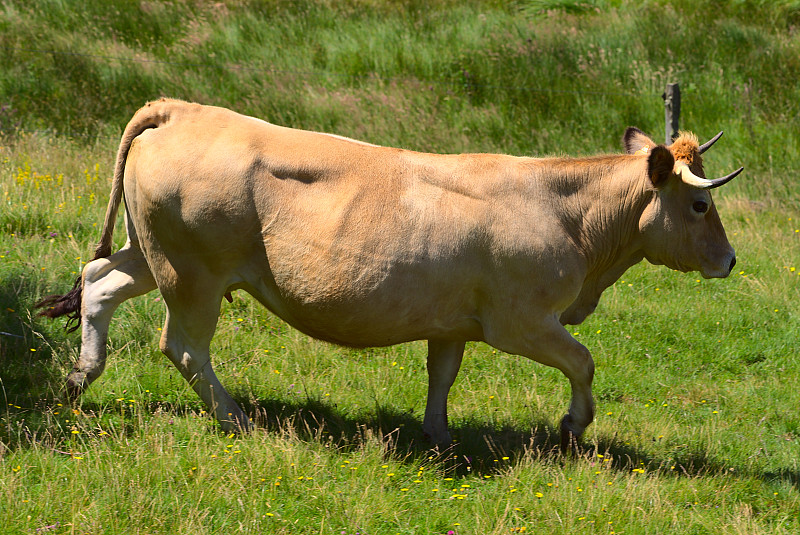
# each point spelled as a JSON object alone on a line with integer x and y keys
{"x": 152, "y": 115}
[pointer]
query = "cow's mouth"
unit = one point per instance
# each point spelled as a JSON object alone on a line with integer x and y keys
{"x": 719, "y": 273}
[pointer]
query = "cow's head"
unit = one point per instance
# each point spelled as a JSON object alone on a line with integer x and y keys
{"x": 680, "y": 226}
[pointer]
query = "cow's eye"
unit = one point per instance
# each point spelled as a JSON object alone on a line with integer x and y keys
{"x": 701, "y": 207}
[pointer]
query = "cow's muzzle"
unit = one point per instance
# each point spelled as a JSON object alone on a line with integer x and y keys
{"x": 721, "y": 272}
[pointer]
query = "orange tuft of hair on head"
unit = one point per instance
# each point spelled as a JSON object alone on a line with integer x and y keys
{"x": 686, "y": 148}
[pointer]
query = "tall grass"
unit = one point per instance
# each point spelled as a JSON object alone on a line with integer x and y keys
{"x": 697, "y": 428}
{"x": 474, "y": 76}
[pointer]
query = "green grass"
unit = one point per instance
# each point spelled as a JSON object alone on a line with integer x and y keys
{"x": 697, "y": 427}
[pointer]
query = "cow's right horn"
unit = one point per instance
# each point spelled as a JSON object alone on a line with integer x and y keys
{"x": 693, "y": 180}
{"x": 707, "y": 145}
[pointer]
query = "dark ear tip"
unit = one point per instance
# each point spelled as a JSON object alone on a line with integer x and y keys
{"x": 634, "y": 139}
{"x": 630, "y": 132}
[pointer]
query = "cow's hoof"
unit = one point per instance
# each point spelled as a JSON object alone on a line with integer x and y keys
{"x": 569, "y": 440}
{"x": 441, "y": 440}
{"x": 239, "y": 424}
{"x": 75, "y": 385}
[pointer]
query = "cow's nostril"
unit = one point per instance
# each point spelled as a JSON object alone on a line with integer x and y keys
{"x": 733, "y": 263}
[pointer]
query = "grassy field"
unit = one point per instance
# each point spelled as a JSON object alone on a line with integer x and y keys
{"x": 697, "y": 427}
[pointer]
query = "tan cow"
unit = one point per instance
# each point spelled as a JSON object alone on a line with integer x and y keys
{"x": 362, "y": 245}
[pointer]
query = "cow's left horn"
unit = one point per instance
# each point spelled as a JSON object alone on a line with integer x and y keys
{"x": 693, "y": 180}
{"x": 707, "y": 145}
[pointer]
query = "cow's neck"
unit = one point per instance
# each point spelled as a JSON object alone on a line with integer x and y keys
{"x": 603, "y": 220}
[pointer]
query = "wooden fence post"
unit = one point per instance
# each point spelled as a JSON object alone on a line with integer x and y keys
{"x": 672, "y": 111}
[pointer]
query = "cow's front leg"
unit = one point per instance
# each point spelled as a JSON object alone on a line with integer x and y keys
{"x": 562, "y": 351}
{"x": 552, "y": 345}
{"x": 106, "y": 283}
{"x": 581, "y": 408}
{"x": 444, "y": 360}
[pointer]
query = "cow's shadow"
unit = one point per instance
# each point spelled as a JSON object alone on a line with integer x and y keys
{"x": 27, "y": 369}
{"x": 478, "y": 448}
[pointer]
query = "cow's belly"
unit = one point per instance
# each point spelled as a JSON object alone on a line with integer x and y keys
{"x": 357, "y": 301}
{"x": 375, "y": 326}
{"x": 379, "y": 319}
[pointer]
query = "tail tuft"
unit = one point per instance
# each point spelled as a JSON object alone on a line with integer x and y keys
{"x": 68, "y": 304}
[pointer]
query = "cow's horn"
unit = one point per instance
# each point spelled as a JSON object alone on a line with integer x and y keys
{"x": 707, "y": 145}
{"x": 693, "y": 180}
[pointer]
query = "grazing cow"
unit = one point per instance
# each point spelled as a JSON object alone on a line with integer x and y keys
{"x": 362, "y": 245}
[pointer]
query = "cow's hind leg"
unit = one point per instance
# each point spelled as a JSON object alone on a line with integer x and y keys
{"x": 107, "y": 282}
{"x": 192, "y": 312}
{"x": 444, "y": 361}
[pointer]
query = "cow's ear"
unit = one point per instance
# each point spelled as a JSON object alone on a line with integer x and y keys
{"x": 635, "y": 141}
{"x": 660, "y": 164}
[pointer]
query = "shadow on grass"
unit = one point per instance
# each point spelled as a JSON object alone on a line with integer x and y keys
{"x": 27, "y": 366}
{"x": 478, "y": 448}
